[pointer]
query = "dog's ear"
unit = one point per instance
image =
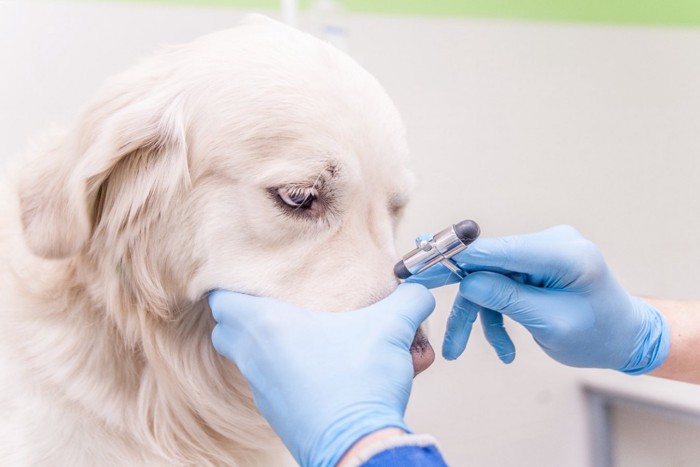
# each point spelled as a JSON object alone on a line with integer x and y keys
{"x": 136, "y": 136}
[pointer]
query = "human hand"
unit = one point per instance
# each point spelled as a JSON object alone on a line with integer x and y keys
{"x": 323, "y": 380}
{"x": 556, "y": 284}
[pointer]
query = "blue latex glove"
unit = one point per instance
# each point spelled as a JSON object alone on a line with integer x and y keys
{"x": 556, "y": 284}
{"x": 464, "y": 314}
{"x": 323, "y": 380}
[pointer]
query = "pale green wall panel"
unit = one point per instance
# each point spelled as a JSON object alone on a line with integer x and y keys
{"x": 646, "y": 12}
{"x": 666, "y": 12}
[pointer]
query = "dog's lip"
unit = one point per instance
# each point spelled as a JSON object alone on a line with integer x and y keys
{"x": 422, "y": 352}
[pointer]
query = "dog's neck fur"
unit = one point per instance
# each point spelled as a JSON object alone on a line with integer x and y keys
{"x": 132, "y": 371}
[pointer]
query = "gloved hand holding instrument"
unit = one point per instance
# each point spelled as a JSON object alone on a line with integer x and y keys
{"x": 556, "y": 284}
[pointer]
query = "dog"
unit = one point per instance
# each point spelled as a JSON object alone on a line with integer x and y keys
{"x": 257, "y": 159}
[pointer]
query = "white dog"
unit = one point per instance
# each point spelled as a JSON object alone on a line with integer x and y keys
{"x": 257, "y": 159}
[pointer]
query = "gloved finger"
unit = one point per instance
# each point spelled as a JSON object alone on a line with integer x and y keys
{"x": 459, "y": 327}
{"x": 239, "y": 348}
{"x": 435, "y": 276}
{"x": 410, "y": 303}
{"x": 503, "y": 254}
{"x": 222, "y": 342}
{"x": 529, "y": 254}
{"x": 223, "y": 302}
{"x": 500, "y": 293}
{"x": 234, "y": 308}
{"x": 495, "y": 332}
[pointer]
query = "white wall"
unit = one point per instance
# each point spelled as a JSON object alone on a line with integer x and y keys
{"x": 516, "y": 125}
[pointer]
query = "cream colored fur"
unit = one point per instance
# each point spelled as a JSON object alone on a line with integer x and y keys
{"x": 113, "y": 232}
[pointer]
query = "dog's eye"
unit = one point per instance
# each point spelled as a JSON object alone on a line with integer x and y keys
{"x": 297, "y": 198}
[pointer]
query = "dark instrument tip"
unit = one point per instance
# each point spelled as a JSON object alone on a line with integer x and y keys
{"x": 467, "y": 231}
{"x": 401, "y": 271}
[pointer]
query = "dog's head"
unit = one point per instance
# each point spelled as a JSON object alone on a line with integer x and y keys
{"x": 257, "y": 159}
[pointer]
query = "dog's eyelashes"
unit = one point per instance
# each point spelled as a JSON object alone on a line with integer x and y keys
{"x": 297, "y": 198}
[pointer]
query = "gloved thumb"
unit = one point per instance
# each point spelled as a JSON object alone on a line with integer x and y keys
{"x": 412, "y": 303}
{"x": 233, "y": 308}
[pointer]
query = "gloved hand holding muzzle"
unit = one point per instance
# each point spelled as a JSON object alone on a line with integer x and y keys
{"x": 323, "y": 380}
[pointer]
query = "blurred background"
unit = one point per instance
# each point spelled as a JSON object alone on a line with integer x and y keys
{"x": 521, "y": 114}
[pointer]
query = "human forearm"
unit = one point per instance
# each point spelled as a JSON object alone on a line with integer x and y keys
{"x": 683, "y": 361}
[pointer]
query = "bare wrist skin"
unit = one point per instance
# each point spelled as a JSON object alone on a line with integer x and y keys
{"x": 683, "y": 360}
{"x": 371, "y": 438}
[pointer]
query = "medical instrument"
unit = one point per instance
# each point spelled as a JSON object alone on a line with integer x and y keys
{"x": 439, "y": 249}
